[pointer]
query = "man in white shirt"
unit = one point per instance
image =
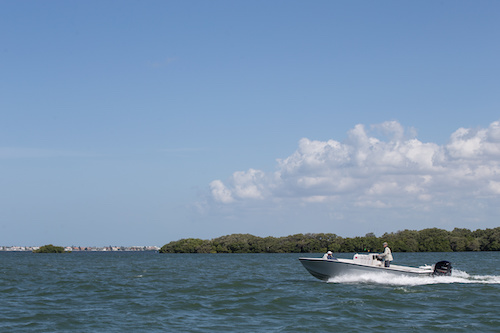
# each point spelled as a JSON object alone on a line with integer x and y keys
{"x": 386, "y": 256}
{"x": 328, "y": 255}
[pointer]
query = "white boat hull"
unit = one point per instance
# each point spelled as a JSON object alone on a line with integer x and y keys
{"x": 326, "y": 269}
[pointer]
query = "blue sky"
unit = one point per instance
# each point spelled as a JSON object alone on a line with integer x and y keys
{"x": 139, "y": 123}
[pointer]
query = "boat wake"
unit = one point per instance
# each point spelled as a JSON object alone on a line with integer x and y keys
{"x": 393, "y": 280}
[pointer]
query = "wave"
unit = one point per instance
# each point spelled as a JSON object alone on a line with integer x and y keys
{"x": 403, "y": 280}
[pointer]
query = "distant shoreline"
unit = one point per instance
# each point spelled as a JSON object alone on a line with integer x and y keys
{"x": 83, "y": 248}
{"x": 426, "y": 240}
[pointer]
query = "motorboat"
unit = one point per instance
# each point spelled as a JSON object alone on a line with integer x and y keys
{"x": 325, "y": 269}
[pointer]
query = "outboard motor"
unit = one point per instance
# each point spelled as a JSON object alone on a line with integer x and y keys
{"x": 442, "y": 268}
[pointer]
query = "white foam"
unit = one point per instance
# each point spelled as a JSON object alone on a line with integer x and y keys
{"x": 403, "y": 280}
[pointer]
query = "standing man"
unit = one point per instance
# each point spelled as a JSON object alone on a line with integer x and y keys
{"x": 386, "y": 256}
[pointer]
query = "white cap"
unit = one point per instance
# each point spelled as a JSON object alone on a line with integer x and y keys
{"x": 329, "y": 252}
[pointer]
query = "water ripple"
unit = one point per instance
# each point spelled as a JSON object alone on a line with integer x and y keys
{"x": 149, "y": 292}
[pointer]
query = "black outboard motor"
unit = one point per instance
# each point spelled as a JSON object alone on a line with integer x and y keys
{"x": 442, "y": 268}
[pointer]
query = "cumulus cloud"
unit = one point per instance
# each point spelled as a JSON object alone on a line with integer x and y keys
{"x": 220, "y": 192}
{"x": 391, "y": 169}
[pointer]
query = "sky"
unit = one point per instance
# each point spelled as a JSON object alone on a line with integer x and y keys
{"x": 144, "y": 122}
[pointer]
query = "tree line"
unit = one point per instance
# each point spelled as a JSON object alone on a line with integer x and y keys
{"x": 426, "y": 240}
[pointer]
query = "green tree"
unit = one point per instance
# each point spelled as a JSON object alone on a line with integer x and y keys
{"x": 405, "y": 241}
{"x": 426, "y": 240}
{"x": 433, "y": 240}
{"x": 188, "y": 245}
{"x": 50, "y": 249}
{"x": 489, "y": 239}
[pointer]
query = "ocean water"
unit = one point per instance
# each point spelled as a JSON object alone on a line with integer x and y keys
{"x": 152, "y": 292}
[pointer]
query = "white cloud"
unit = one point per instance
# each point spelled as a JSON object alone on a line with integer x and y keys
{"x": 366, "y": 166}
{"x": 367, "y": 172}
{"x": 383, "y": 188}
{"x": 247, "y": 184}
{"x": 494, "y": 186}
{"x": 220, "y": 192}
{"x": 472, "y": 144}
